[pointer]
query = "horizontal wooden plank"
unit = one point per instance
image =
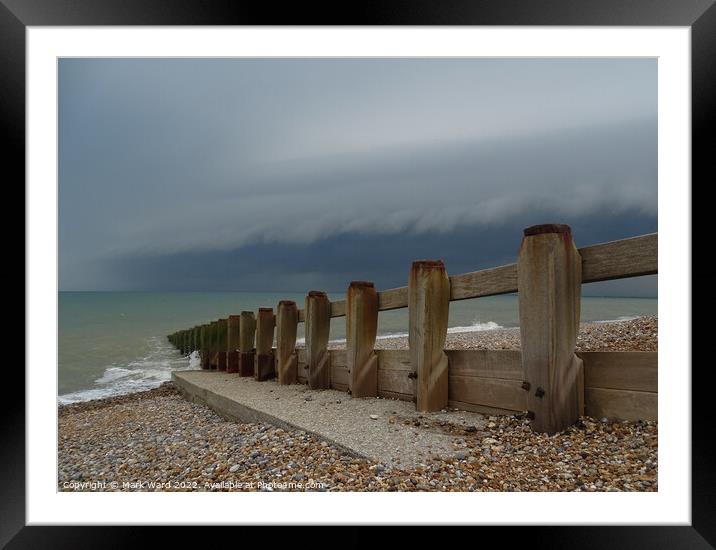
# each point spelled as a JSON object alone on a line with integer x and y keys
{"x": 338, "y": 308}
{"x": 395, "y": 381}
{"x": 624, "y": 370}
{"x": 506, "y": 364}
{"x": 486, "y": 282}
{"x": 339, "y": 376}
{"x": 394, "y": 298}
{"x": 489, "y": 392}
{"x": 393, "y": 395}
{"x": 338, "y": 358}
{"x": 620, "y": 404}
{"x": 620, "y": 259}
{"x": 471, "y": 407}
{"x": 394, "y": 359}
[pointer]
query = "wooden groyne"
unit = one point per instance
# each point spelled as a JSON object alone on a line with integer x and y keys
{"x": 547, "y": 379}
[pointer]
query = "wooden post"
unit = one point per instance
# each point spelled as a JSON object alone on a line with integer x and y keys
{"x": 549, "y": 279}
{"x": 247, "y": 329}
{"x": 222, "y": 333}
{"x": 428, "y": 307}
{"x": 286, "y": 326}
{"x": 213, "y": 347}
{"x": 232, "y": 355}
{"x": 265, "y": 322}
{"x": 318, "y": 324}
{"x": 361, "y": 331}
{"x": 203, "y": 347}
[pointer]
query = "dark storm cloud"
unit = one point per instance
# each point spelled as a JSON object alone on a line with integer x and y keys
{"x": 171, "y": 167}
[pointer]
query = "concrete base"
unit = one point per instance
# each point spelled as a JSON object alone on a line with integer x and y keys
{"x": 387, "y": 430}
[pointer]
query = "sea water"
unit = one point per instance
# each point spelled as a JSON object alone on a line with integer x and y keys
{"x": 111, "y": 343}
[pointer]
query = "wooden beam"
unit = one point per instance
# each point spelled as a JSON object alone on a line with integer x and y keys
{"x": 633, "y": 257}
{"x": 222, "y": 343}
{"x": 428, "y": 306}
{"x": 232, "y": 355}
{"x": 247, "y": 351}
{"x": 549, "y": 281}
{"x": 265, "y": 323}
{"x": 621, "y": 404}
{"x": 318, "y": 323}
{"x": 286, "y": 357}
{"x": 361, "y": 331}
{"x": 621, "y": 370}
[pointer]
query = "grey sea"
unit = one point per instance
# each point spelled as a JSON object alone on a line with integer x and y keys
{"x": 111, "y": 343}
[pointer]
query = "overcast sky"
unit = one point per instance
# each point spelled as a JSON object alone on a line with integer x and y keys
{"x": 278, "y": 174}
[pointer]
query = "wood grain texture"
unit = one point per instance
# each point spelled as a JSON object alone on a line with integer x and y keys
{"x": 265, "y": 323}
{"x": 233, "y": 332}
{"x": 428, "y": 307}
{"x": 488, "y": 392}
{"x": 286, "y": 356}
{"x": 486, "y": 282}
{"x": 505, "y": 364}
{"x": 472, "y": 407}
{"x": 621, "y": 404}
{"x": 621, "y": 370}
{"x": 549, "y": 281}
{"x": 338, "y": 308}
{"x": 632, "y": 257}
{"x": 361, "y": 331}
{"x": 247, "y": 331}
{"x": 318, "y": 324}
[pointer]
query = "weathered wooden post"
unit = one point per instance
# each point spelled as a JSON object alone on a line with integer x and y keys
{"x": 318, "y": 324}
{"x": 247, "y": 330}
{"x": 222, "y": 343}
{"x": 265, "y": 322}
{"x": 361, "y": 331}
{"x": 213, "y": 347}
{"x": 203, "y": 347}
{"x": 286, "y": 326}
{"x": 428, "y": 307}
{"x": 232, "y": 355}
{"x": 549, "y": 279}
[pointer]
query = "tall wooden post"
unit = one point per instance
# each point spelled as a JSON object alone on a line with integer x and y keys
{"x": 286, "y": 327}
{"x": 361, "y": 331}
{"x": 232, "y": 354}
{"x": 222, "y": 332}
{"x": 203, "y": 347}
{"x": 549, "y": 279}
{"x": 428, "y": 307}
{"x": 265, "y": 322}
{"x": 213, "y": 359}
{"x": 247, "y": 330}
{"x": 318, "y": 324}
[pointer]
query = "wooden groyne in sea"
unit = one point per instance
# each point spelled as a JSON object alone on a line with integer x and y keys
{"x": 548, "y": 380}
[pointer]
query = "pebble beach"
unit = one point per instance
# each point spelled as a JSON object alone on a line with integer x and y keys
{"x": 157, "y": 440}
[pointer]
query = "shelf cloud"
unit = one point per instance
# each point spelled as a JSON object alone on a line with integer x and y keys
{"x": 167, "y": 162}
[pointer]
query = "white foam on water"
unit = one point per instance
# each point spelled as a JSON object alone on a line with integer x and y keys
{"x": 475, "y": 327}
{"x": 141, "y": 374}
{"x": 619, "y": 319}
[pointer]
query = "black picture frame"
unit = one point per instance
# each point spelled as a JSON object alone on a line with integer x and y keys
{"x": 699, "y": 15}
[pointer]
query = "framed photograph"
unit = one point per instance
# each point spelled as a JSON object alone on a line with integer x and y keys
{"x": 401, "y": 265}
